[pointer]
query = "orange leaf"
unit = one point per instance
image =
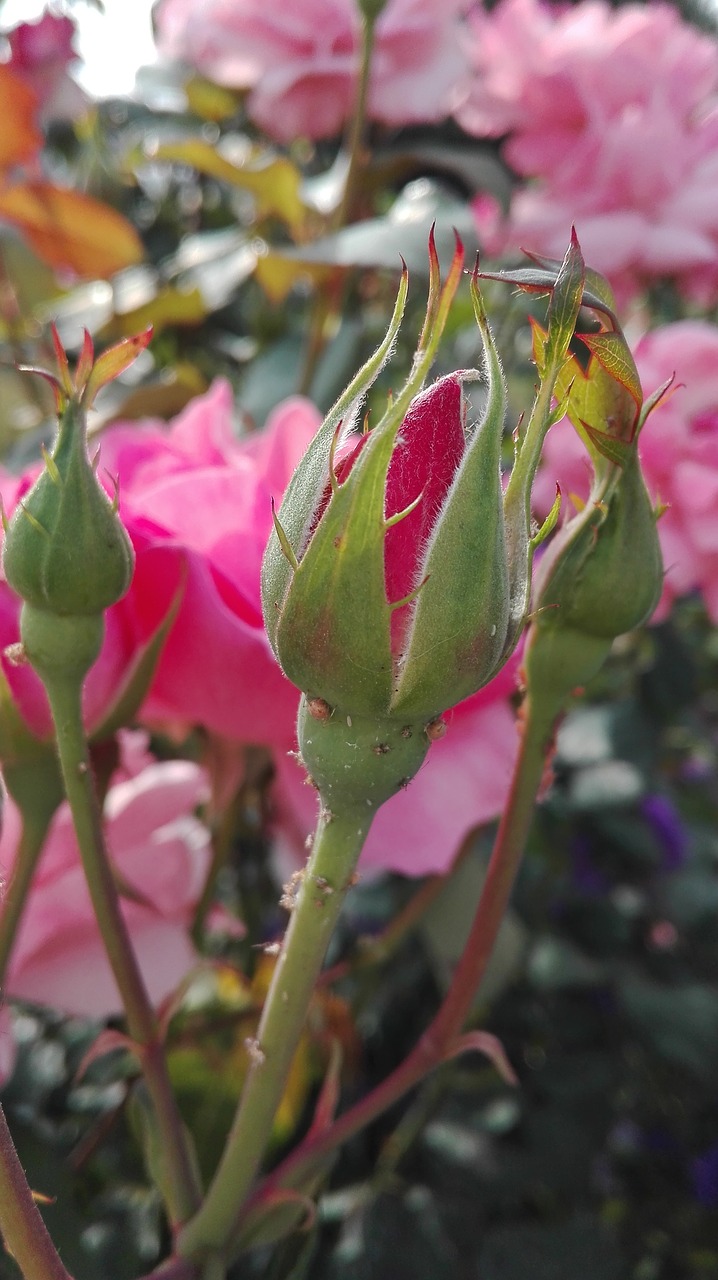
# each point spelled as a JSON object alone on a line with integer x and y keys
{"x": 20, "y": 139}
{"x": 69, "y": 229}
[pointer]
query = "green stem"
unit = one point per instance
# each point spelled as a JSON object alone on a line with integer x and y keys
{"x": 36, "y": 788}
{"x": 32, "y": 839}
{"x": 357, "y": 125}
{"x": 24, "y": 1233}
{"x": 440, "y": 1036}
{"x": 328, "y": 302}
{"x": 337, "y": 845}
{"x": 64, "y": 694}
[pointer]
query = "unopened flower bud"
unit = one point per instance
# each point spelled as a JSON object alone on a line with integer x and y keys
{"x": 66, "y": 552}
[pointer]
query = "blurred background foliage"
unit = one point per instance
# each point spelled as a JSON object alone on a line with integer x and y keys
{"x": 603, "y": 1162}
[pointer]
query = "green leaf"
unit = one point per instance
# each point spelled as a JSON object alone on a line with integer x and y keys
{"x": 275, "y": 183}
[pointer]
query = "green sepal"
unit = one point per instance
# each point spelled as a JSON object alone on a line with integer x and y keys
{"x": 333, "y": 633}
{"x": 307, "y": 485}
{"x": 550, "y": 353}
{"x": 461, "y": 615}
{"x": 563, "y": 307}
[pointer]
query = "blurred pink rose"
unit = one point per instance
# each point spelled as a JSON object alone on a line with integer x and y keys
{"x": 300, "y": 62}
{"x": 615, "y": 113}
{"x": 40, "y": 53}
{"x": 158, "y": 849}
{"x": 463, "y": 783}
{"x": 679, "y": 453}
{"x": 196, "y": 501}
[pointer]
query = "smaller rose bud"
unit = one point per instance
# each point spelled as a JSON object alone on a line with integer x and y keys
{"x": 66, "y": 552}
{"x": 601, "y": 577}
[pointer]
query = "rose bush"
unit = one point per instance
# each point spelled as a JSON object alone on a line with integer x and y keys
{"x": 301, "y": 67}
{"x": 160, "y": 852}
{"x": 679, "y": 455}
{"x": 614, "y": 115}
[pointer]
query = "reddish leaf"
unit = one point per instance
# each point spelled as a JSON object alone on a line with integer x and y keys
{"x": 113, "y": 362}
{"x": 20, "y": 139}
{"x": 71, "y": 230}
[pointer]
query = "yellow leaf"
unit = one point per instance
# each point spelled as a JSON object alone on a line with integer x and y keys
{"x": 210, "y": 101}
{"x": 278, "y": 275}
{"x": 169, "y": 307}
{"x": 274, "y": 184}
{"x": 71, "y": 230}
{"x": 20, "y": 139}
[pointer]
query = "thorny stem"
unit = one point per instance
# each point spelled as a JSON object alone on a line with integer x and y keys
{"x": 441, "y": 1035}
{"x": 182, "y": 1190}
{"x": 321, "y": 891}
{"x": 24, "y": 1233}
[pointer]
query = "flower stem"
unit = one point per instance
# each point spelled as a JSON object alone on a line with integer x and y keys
{"x": 35, "y": 785}
{"x": 440, "y": 1037}
{"x": 327, "y": 876}
{"x": 24, "y": 1233}
{"x": 357, "y": 125}
{"x": 64, "y": 694}
{"x": 327, "y": 304}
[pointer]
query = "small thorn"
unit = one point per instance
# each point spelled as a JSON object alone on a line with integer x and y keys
{"x": 284, "y": 540}
{"x": 52, "y": 470}
{"x": 34, "y": 521}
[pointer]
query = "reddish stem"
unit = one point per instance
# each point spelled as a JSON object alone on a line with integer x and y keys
{"x": 438, "y": 1040}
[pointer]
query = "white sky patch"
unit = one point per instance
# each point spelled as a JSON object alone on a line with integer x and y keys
{"x": 112, "y": 45}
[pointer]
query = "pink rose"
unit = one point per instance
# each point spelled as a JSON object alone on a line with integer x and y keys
{"x": 159, "y": 850}
{"x": 679, "y": 456}
{"x": 196, "y": 501}
{"x": 463, "y": 783}
{"x": 301, "y": 64}
{"x": 615, "y": 113}
{"x": 40, "y": 53}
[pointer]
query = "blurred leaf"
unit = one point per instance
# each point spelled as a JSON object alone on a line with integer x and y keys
{"x": 163, "y": 398}
{"x": 274, "y": 183}
{"x": 580, "y": 1247}
{"x": 610, "y": 783}
{"x": 170, "y": 306}
{"x": 402, "y": 232}
{"x": 690, "y": 898}
{"x": 214, "y": 263}
{"x": 680, "y": 1021}
{"x": 210, "y": 101}
{"x": 445, "y": 928}
{"x": 402, "y": 1238}
{"x": 555, "y": 965}
{"x": 69, "y": 229}
{"x": 278, "y": 274}
{"x": 20, "y": 138}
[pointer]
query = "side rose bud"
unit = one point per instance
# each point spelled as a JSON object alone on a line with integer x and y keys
{"x": 66, "y": 552}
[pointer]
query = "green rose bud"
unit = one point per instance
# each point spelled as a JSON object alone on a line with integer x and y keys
{"x": 66, "y": 552}
{"x": 395, "y": 582}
